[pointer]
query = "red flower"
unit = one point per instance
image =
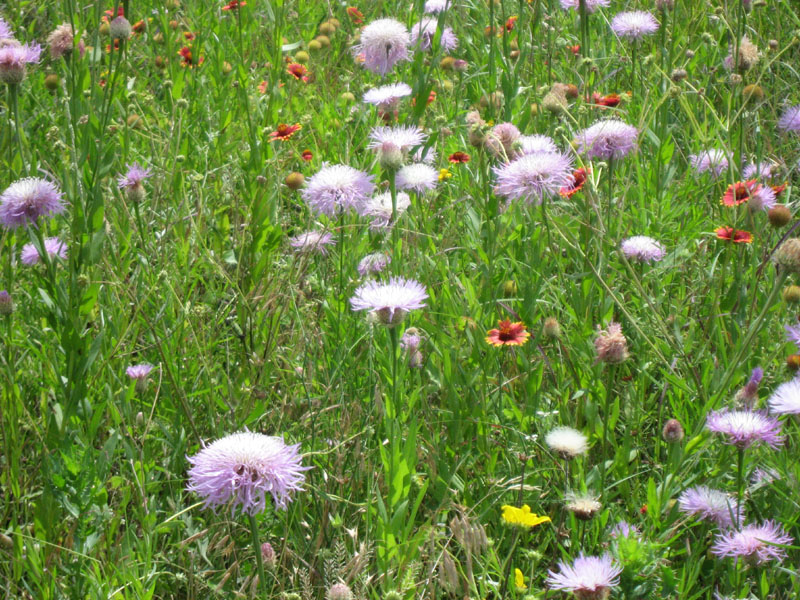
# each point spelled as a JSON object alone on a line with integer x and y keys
{"x": 737, "y": 236}
{"x": 431, "y": 98}
{"x": 355, "y": 15}
{"x": 298, "y": 71}
{"x": 234, "y": 5}
{"x": 262, "y": 87}
{"x": 139, "y": 26}
{"x": 188, "y": 35}
{"x": 508, "y": 334}
{"x": 739, "y": 192}
{"x": 576, "y": 49}
{"x": 186, "y": 57}
{"x": 307, "y": 155}
{"x": 610, "y": 100}
{"x": 580, "y": 176}
{"x": 778, "y": 189}
{"x": 109, "y": 14}
{"x": 512, "y": 21}
{"x": 458, "y": 157}
{"x": 116, "y": 46}
{"x": 284, "y": 132}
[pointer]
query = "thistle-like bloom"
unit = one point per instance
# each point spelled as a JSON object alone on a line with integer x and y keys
{"x": 713, "y": 160}
{"x": 422, "y": 35}
{"x": 642, "y": 249}
{"x": 793, "y": 335}
{"x": 623, "y": 529}
{"x": 404, "y": 137}
{"x": 762, "y": 170}
{"x": 790, "y": 119}
{"x": 5, "y": 30}
{"x": 588, "y": 577}
{"x": 611, "y": 344}
{"x": 591, "y": 5}
{"x": 373, "y": 263}
{"x": 711, "y": 505}
{"x": 139, "y": 372}
{"x": 508, "y": 334}
{"x": 54, "y": 247}
{"x": 337, "y": 187}
{"x": 785, "y": 400}
{"x": 583, "y": 506}
{"x": 387, "y": 97}
{"x": 434, "y": 7}
{"x": 567, "y": 442}
{"x": 131, "y": 181}
{"x": 754, "y": 544}
{"x": 242, "y": 468}
{"x": 501, "y": 139}
{"x": 61, "y": 41}
{"x": 634, "y": 25}
{"x": 531, "y": 177}
{"x": 522, "y": 517}
{"x": 384, "y": 43}
{"x": 13, "y": 58}
{"x": 312, "y": 241}
{"x": 530, "y": 144}
{"x": 747, "y": 57}
{"x": 418, "y": 177}
{"x": 390, "y": 301}
{"x": 745, "y": 428}
{"x": 608, "y": 139}
{"x": 379, "y": 207}
{"x": 24, "y": 201}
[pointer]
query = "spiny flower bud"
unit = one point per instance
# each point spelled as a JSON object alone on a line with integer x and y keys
{"x": 447, "y": 63}
{"x": 673, "y": 431}
{"x": 294, "y": 181}
{"x": 6, "y": 303}
{"x": 120, "y": 29}
{"x": 779, "y": 215}
{"x": 611, "y": 345}
{"x": 791, "y": 294}
{"x": 753, "y": 93}
{"x": 678, "y": 75}
{"x": 390, "y": 156}
{"x": 788, "y": 255}
{"x": 268, "y": 554}
{"x": 552, "y": 329}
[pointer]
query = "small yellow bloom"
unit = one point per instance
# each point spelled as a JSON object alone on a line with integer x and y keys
{"x": 444, "y": 174}
{"x": 522, "y": 516}
{"x": 519, "y": 581}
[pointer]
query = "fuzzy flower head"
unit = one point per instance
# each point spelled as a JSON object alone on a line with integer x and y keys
{"x": 24, "y": 201}
{"x": 785, "y": 400}
{"x": 634, "y": 25}
{"x": 522, "y": 517}
{"x": 747, "y": 57}
{"x": 508, "y": 334}
{"x": 242, "y": 468}
{"x": 390, "y": 301}
{"x": 61, "y": 41}
{"x": 642, "y": 249}
{"x": 404, "y": 137}
{"x": 13, "y": 58}
{"x": 131, "y": 182}
{"x": 434, "y": 7}
{"x": 608, "y": 139}
{"x": 793, "y": 334}
{"x": 418, "y": 177}
{"x": 5, "y": 30}
{"x": 387, "y": 97}
{"x": 754, "y": 544}
{"x": 337, "y": 187}
{"x": 501, "y": 140}
{"x": 372, "y": 264}
{"x": 583, "y": 506}
{"x": 139, "y": 372}
{"x": 611, "y": 344}
{"x": 530, "y": 144}
{"x": 423, "y": 33}
{"x": 761, "y": 170}
{"x": 379, "y": 208}
{"x": 531, "y": 177}
{"x": 54, "y": 247}
{"x": 384, "y": 43}
{"x": 790, "y": 119}
{"x": 745, "y": 428}
{"x": 312, "y": 241}
{"x": 591, "y": 5}
{"x": 588, "y": 577}
{"x": 567, "y": 442}
{"x": 711, "y": 505}
{"x": 713, "y": 160}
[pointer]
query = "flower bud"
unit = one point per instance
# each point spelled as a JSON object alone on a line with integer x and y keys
{"x": 120, "y": 29}
{"x": 791, "y": 294}
{"x": 673, "y": 431}
{"x": 788, "y": 255}
{"x": 268, "y": 555}
{"x": 611, "y": 344}
{"x": 390, "y": 156}
{"x": 552, "y": 329}
{"x": 294, "y": 181}
{"x": 339, "y": 591}
{"x": 779, "y": 215}
{"x": 6, "y": 303}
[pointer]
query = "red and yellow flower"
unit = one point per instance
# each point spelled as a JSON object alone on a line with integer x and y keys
{"x": 508, "y": 334}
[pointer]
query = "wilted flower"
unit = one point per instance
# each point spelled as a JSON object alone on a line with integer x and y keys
{"x": 418, "y": 177}
{"x": 588, "y": 577}
{"x": 611, "y": 345}
{"x": 501, "y": 139}
{"x": 508, "y": 334}
{"x": 787, "y": 256}
{"x": 268, "y": 555}
{"x": 583, "y": 506}
{"x": 337, "y": 187}
{"x": 390, "y": 301}
{"x": 61, "y": 41}
{"x": 745, "y": 428}
{"x": 312, "y": 241}
{"x": 54, "y": 247}
{"x": 13, "y": 58}
{"x": 642, "y": 249}
{"x": 713, "y": 160}
{"x": 611, "y": 139}
{"x": 711, "y": 505}
{"x": 242, "y": 468}
{"x": 384, "y": 43}
{"x": 120, "y": 28}
{"x": 24, "y": 201}
{"x": 373, "y": 263}
{"x": 422, "y": 35}
{"x": 747, "y": 58}
{"x": 634, "y": 25}
{"x": 531, "y": 177}
{"x": 755, "y": 544}
{"x": 567, "y": 442}
{"x": 6, "y": 303}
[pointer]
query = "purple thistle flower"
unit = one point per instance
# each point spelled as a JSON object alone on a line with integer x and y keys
{"x": 634, "y": 25}
{"x": 745, "y": 428}
{"x": 337, "y": 187}
{"x": 434, "y": 7}
{"x": 5, "y": 30}
{"x": 713, "y": 160}
{"x": 762, "y": 197}
{"x": 13, "y": 58}
{"x": 391, "y": 301}
{"x": 387, "y": 97}
{"x": 24, "y": 201}
{"x": 711, "y": 505}
{"x": 423, "y": 33}
{"x": 139, "y": 371}
{"x": 608, "y": 139}
{"x": 384, "y": 43}
{"x": 588, "y": 577}
{"x": 379, "y": 207}
{"x": 785, "y": 400}
{"x": 755, "y": 544}
{"x": 54, "y": 247}
{"x": 762, "y": 170}
{"x": 790, "y": 119}
{"x": 591, "y": 5}
{"x": 373, "y": 263}
{"x": 404, "y": 137}
{"x": 134, "y": 177}
{"x": 793, "y": 335}
{"x": 530, "y": 144}
{"x": 642, "y": 248}
{"x": 531, "y": 177}
{"x": 312, "y": 241}
{"x": 624, "y": 529}
{"x": 410, "y": 340}
{"x": 418, "y": 177}
{"x": 242, "y": 468}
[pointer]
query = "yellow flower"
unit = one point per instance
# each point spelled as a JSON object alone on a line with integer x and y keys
{"x": 519, "y": 581}
{"x": 444, "y": 174}
{"x": 522, "y": 516}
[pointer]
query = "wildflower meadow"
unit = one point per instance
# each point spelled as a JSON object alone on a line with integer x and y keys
{"x": 440, "y": 299}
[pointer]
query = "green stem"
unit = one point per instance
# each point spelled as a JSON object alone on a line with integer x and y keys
{"x": 262, "y": 580}
{"x": 606, "y": 418}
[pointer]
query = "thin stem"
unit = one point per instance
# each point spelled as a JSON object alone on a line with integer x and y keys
{"x": 262, "y": 580}
{"x": 606, "y": 418}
